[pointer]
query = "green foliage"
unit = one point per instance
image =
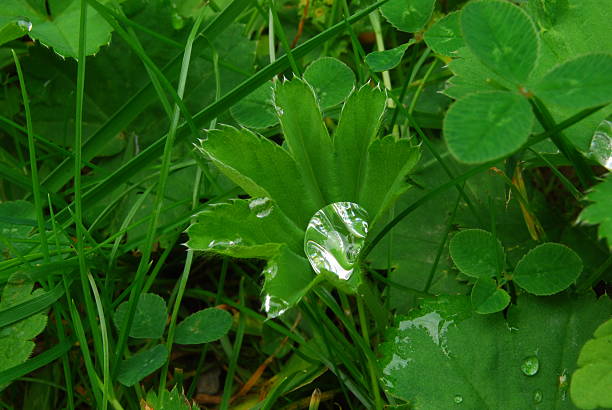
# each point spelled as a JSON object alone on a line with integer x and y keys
{"x": 445, "y": 36}
{"x": 16, "y": 343}
{"x": 533, "y": 353}
{"x": 142, "y": 364}
{"x": 331, "y": 79}
{"x": 477, "y": 253}
{"x": 257, "y": 109}
{"x": 203, "y": 326}
{"x": 599, "y": 211}
{"x": 386, "y": 60}
{"x": 590, "y": 387}
{"x": 409, "y": 16}
{"x": 487, "y": 297}
{"x": 150, "y": 319}
{"x": 10, "y": 30}
{"x": 169, "y": 400}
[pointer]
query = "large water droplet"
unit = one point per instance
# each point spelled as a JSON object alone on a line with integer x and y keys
{"x": 334, "y": 237}
{"x": 274, "y": 306}
{"x": 261, "y": 206}
{"x": 224, "y": 245}
{"x": 530, "y": 366}
{"x": 538, "y": 396}
{"x": 25, "y": 24}
{"x": 458, "y": 399}
{"x": 601, "y": 144}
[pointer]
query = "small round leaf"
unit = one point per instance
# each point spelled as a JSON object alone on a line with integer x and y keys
{"x": 204, "y": 326}
{"x": 142, "y": 364}
{"x": 408, "y": 15}
{"x": 149, "y": 318}
{"x": 476, "y": 253}
{"x": 487, "y": 297}
{"x": 547, "y": 269}
{"x": 331, "y": 79}
{"x": 445, "y": 36}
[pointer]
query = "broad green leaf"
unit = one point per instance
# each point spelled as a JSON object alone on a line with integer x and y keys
{"x": 477, "y": 253}
{"x": 548, "y": 12}
{"x": 386, "y": 60}
{"x": 408, "y": 15}
{"x": 590, "y": 387}
{"x": 487, "y": 126}
{"x": 502, "y": 36}
{"x": 334, "y": 238}
{"x": 547, "y": 269}
{"x": 488, "y": 361}
{"x": 16, "y": 345}
{"x": 10, "y": 30}
{"x": 359, "y": 122}
{"x": 306, "y": 137}
{"x": 60, "y": 30}
{"x": 579, "y": 83}
{"x": 445, "y": 36}
{"x": 244, "y": 229}
{"x": 487, "y": 297}
{"x": 331, "y": 79}
{"x": 264, "y": 169}
{"x": 388, "y": 163}
{"x": 149, "y": 319}
{"x": 601, "y": 144}
{"x": 142, "y": 364}
{"x": 256, "y": 110}
{"x": 203, "y": 326}
{"x": 287, "y": 278}
{"x": 598, "y": 213}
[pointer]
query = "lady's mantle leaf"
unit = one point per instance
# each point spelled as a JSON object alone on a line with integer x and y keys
{"x": 486, "y": 360}
{"x": 591, "y": 383}
{"x": 599, "y": 211}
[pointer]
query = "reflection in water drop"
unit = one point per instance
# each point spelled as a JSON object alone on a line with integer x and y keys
{"x": 538, "y": 396}
{"x": 433, "y": 323}
{"x": 221, "y": 245}
{"x": 458, "y": 399}
{"x": 396, "y": 363}
{"x": 261, "y": 206}
{"x": 530, "y": 366}
{"x": 601, "y": 144}
{"x": 274, "y": 306}
{"x": 24, "y": 24}
{"x": 334, "y": 237}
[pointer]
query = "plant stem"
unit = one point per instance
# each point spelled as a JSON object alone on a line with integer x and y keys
{"x": 363, "y": 323}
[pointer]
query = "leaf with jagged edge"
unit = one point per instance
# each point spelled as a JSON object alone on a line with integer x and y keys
{"x": 599, "y": 212}
{"x": 60, "y": 30}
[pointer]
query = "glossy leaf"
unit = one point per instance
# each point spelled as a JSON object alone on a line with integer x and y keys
{"x": 547, "y": 269}
{"x": 331, "y": 79}
{"x": 263, "y": 169}
{"x": 244, "y": 229}
{"x": 598, "y": 213}
{"x": 142, "y": 364}
{"x": 579, "y": 83}
{"x": 59, "y": 30}
{"x": 477, "y": 253}
{"x": 408, "y": 15}
{"x": 590, "y": 387}
{"x": 149, "y": 319}
{"x": 256, "y": 110}
{"x": 487, "y": 297}
{"x": 486, "y": 126}
{"x": 359, "y": 122}
{"x": 445, "y": 36}
{"x": 204, "y": 326}
{"x": 386, "y": 60}
{"x": 486, "y": 360}
{"x": 502, "y": 36}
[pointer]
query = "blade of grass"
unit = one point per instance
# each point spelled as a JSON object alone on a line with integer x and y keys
{"x": 236, "y": 348}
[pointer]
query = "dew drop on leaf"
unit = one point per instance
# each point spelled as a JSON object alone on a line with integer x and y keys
{"x": 601, "y": 144}
{"x": 563, "y": 384}
{"x": 261, "y": 207}
{"x": 334, "y": 237}
{"x": 538, "y": 396}
{"x": 530, "y": 366}
{"x": 24, "y": 24}
{"x": 274, "y": 306}
{"x": 458, "y": 399}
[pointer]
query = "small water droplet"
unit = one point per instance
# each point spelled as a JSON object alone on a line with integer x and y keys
{"x": 563, "y": 384}
{"x": 261, "y": 206}
{"x": 274, "y": 306}
{"x": 177, "y": 21}
{"x": 530, "y": 366}
{"x": 601, "y": 144}
{"x": 25, "y": 24}
{"x": 458, "y": 399}
{"x": 334, "y": 237}
{"x": 214, "y": 244}
{"x": 538, "y": 396}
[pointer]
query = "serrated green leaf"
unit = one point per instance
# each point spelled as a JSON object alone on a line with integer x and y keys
{"x": 487, "y": 126}
{"x": 408, "y": 15}
{"x": 60, "y": 30}
{"x": 203, "y": 326}
{"x": 263, "y": 169}
{"x": 487, "y": 297}
{"x": 388, "y": 163}
{"x": 477, "y": 253}
{"x": 244, "y": 229}
{"x": 598, "y": 213}
{"x": 359, "y": 122}
{"x": 256, "y": 110}
{"x": 386, "y": 60}
{"x": 547, "y": 269}
{"x": 142, "y": 364}
{"x": 502, "y": 36}
{"x": 488, "y": 362}
{"x": 331, "y": 79}
{"x": 149, "y": 319}
{"x": 590, "y": 387}
{"x": 445, "y": 36}
{"x": 171, "y": 400}
{"x": 579, "y": 83}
